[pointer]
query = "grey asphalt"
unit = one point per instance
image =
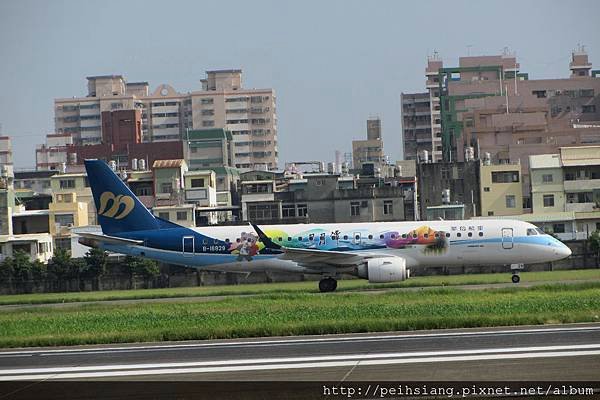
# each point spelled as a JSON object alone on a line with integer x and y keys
{"x": 549, "y": 353}
{"x": 192, "y": 299}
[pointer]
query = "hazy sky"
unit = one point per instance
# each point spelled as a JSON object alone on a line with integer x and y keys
{"x": 332, "y": 63}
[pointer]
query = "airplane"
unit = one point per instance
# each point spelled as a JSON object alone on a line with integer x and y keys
{"x": 380, "y": 252}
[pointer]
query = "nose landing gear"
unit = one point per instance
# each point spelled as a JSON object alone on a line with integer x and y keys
{"x": 327, "y": 285}
{"x": 515, "y": 269}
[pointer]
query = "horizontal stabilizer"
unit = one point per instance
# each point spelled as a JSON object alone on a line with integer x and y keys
{"x": 110, "y": 239}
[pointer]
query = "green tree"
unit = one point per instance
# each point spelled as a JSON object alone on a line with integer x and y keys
{"x": 142, "y": 266}
{"x": 95, "y": 261}
{"x": 595, "y": 245}
{"x": 21, "y": 265}
{"x": 39, "y": 270}
{"x": 6, "y": 269}
{"x": 62, "y": 266}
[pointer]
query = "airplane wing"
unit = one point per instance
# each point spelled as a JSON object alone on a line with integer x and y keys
{"x": 109, "y": 239}
{"x": 318, "y": 258}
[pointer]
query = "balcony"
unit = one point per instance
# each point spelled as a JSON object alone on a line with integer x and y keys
{"x": 581, "y": 207}
{"x": 582, "y": 185}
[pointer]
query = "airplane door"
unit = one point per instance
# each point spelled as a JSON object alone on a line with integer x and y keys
{"x": 507, "y": 238}
{"x": 356, "y": 238}
{"x": 187, "y": 246}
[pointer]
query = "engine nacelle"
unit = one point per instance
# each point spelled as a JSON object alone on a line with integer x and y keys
{"x": 385, "y": 269}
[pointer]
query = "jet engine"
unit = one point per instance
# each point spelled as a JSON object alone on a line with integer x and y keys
{"x": 385, "y": 269}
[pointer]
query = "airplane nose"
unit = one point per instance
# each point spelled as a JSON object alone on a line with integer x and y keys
{"x": 563, "y": 251}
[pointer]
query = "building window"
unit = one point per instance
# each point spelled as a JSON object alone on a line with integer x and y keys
{"x": 302, "y": 210}
{"x": 208, "y": 123}
{"x": 182, "y": 215}
{"x": 288, "y": 211}
{"x": 258, "y": 212}
{"x": 63, "y": 243}
{"x": 355, "y": 208}
{"x": 558, "y": 228}
{"x": 64, "y": 219}
{"x": 388, "y": 207}
{"x": 208, "y": 112}
{"x": 486, "y": 189}
{"x": 590, "y": 108}
{"x": 548, "y": 200}
{"x": 166, "y": 187}
{"x": 163, "y": 215}
{"x": 547, "y": 178}
{"x": 490, "y": 213}
{"x": 67, "y": 183}
{"x": 198, "y": 182}
{"x": 505, "y": 177}
{"x": 510, "y": 201}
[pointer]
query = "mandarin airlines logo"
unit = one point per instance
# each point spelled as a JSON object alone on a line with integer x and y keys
{"x": 110, "y": 205}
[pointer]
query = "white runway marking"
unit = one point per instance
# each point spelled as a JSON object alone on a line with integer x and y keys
{"x": 297, "y": 362}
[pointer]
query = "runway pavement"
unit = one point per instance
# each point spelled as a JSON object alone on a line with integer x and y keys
{"x": 559, "y": 352}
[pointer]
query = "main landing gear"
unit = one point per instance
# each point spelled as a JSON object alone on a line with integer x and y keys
{"x": 515, "y": 269}
{"x": 327, "y": 285}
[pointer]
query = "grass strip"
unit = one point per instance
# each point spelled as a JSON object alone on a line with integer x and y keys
{"x": 281, "y": 314}
{"x": 292, "y": 287}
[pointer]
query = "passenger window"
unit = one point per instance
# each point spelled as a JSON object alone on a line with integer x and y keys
{"x": 470, "y": 234}
{"x": 357, "y": 237}
{"x": 480, "y": 234}
{"x": 415, "y": 236}
{"x": 404, "y": 236}
{"x": 289, "y": 238}
{"x": 458, "y": 234}
{"x": 227, "y": 240}
{"x": 437, "y": 235}
{"x": 300, "y": 238}
{"x": 381, "y": 236}
{"x": 280, "y": 239}
{"x": 393, "y": 236}
{"x": 426, "y": 236}
{"x": 370, "y": 237}
{"x": 447, "y": 234}
{"x": 345, "y": 237}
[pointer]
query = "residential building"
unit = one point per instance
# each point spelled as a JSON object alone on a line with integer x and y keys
{"x": 444, "y": 183}
{"x": 166, "y": 114}
{"x": 208, "y": 148}
{"x": 35, "y": 181}
{"x": 168, "y": 182}
{"x": 6, "y": 156}
{"x": 66, "y": 213}
{"x": 500, "y": 189}
{"x": 68, "y": 190}
{"x": 416, "y": 128}
{"x": 489, "y": 105}
{"x": 371, "y": 149}
{"x": 324, "y": 198}
{"x": 566, "y": 182}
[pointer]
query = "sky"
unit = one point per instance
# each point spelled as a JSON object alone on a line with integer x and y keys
{"x": 332, "y": 63}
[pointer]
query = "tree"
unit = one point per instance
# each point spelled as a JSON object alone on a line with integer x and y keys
{"x": 6, "y": 269}
{"x": 595, "y": 245}
{"x": 95, "y": 263}
{"x": 142, "y": 266}
{"x": 39, "y": 270}
{"x": 21, "y": 265}
{"x": 62, "y": 266}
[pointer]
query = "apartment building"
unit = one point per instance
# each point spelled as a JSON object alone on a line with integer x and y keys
{"x": 501, "y": 192}
{"x": 488, "y": 104}
{"x": 166, "y": 115}
{"x": 371, "y": 149}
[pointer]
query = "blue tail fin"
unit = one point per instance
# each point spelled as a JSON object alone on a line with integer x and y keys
{"x": 119, "y": 210}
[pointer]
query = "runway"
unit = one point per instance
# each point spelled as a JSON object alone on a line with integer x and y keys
{"x": 540, "y": 353}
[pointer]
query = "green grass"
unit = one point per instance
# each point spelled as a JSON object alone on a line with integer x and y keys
{"x": 300, "y": 314}
{"x": 294, "y": 287}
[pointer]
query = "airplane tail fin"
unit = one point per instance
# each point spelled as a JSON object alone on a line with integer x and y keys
{"x": 118, "y": 209}
{"x": 269, "y": 244}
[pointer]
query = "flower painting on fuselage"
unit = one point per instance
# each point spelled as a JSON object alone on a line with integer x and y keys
{"x": 430, "y": 240}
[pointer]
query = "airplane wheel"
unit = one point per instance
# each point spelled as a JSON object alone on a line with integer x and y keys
{"x": 516, "y": 278}
{"x": 327, "y": 285}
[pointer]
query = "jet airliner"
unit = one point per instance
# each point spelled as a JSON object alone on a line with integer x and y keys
{"x": 379, "y": 252}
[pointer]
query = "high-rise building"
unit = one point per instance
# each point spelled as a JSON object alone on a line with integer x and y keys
{"x": 487, "y": 107}
{"x": 249, "y": 114}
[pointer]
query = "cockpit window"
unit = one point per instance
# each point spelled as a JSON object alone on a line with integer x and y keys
{"x": 531, "y": 232}
{"x": 541, "y": 232}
